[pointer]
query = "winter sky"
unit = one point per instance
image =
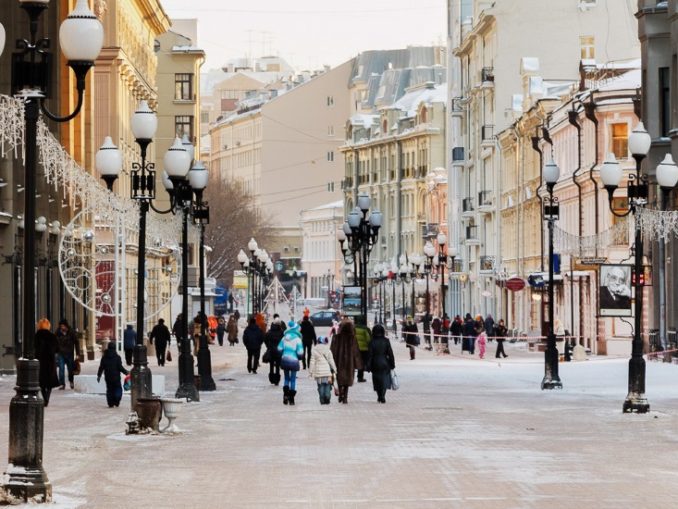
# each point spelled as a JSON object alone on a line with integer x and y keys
{"x": 310, "y": 33}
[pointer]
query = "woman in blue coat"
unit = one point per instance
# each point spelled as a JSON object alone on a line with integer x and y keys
{"x": 291, "y": 349}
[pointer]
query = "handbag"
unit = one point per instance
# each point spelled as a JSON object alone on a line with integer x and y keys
{"x": 267, "y": 357}
{"x": 169, "y": 356}
{"x": 76, "y": 367}
{"x": 395, "y": 384}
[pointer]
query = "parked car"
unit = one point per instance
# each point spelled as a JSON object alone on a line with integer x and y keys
{"x": 325, "y": 318}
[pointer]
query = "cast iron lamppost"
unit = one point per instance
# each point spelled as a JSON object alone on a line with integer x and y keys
{"x": 429, "y": 254}
{"x": 551, "y": 212}
{"x": 364, "y": 231}
{"x": 404, "y": 274}
{"x": 258, "y": 269}
{"x": 392, "y": 275}
{"x": 379, "y": 280}
{"x": 198, "y": 178}
{"x": 667, "y": 176}
{"x": 81, "y": 38}
{"x": 442, "y": 262}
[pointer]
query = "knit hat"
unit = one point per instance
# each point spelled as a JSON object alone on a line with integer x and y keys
{"x": 323, "y": 340}
{"x": 293, "y": 329}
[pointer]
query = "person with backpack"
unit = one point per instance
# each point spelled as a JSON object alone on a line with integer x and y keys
{"x": 322, "y": 368}
{"x": 111, "y": 367}
{"x": 291, "y": 349}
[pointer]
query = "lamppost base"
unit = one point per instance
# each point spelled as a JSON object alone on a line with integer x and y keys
{"x": 548, "y": 384}
{"x": 187, "y": 389}
{"x": 636, "y": 403}
{"x": 142, "y": 379}
{"x": 25, "y": 478}
{"x": 205, "y": 370}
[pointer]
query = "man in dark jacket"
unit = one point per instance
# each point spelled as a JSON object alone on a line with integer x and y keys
{"x": 469, "y": 332}
{"x": 272, "y": 340}
{"x": 253, "y": 338}
{"x": 68, "y": 349}
{"x": 129, "y": 341}
{"x": 411, "y": 333}
{"x": 489, "y": 327}
{"x": 308, "y": 338}
{"x": 456, "y": 328}
{"x": 111, "y": 367}
{"x": 161, "y": 335}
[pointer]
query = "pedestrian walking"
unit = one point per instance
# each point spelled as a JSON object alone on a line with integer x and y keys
{"x": 179, "y": 329}
{"x": 308, "y": 338}
{"x": 221, "y": 330}
{"x": 489, "y": 327}
{"x": 427, "y": 331}
{"x": 291, "y": 349}
{"x": 469, "y": 334}
{"x": 232, "y": 329}
{"x": 456, "y": 328}
{"x": 46, "y": 346}
{"x": 129, "y": 340}
{"x": 363, "y": 336}
{"x": 272, "y": 340}
{"x": 111, "y": 367}
{"x": 380, "y": 361}
{"x": 253, "y": 338}
{"x": 322, "y": 368}
{"x": 161, "y": 335}
{"x": 347, "y": 357}
{"x": 482, "y": 344}
{"x": 199, "y": 321}
{"x": 411, "y": 333}
{"x": 500, "y": 332}
{"x": 437, "y": 329}
{"x": 67, "y": 352}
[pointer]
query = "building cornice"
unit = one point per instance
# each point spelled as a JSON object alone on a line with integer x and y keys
{"x": 153, "y": 13}
{"x": 484, "y": 24}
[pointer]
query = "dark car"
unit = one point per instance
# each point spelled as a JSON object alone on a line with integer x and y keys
{"x": 325, "y": 318}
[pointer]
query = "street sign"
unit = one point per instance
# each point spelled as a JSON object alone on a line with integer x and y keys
{"x": 515, "y": 284}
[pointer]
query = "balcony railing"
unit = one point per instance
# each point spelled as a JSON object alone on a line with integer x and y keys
{"x": 467, "y": 205}
{"x": 484, "y": 198}
{"x": 472, "y": 232}
{"x": 487, "y": 75}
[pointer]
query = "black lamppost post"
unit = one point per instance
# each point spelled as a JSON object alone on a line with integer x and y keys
{"x": 429, "y": 253}
{"x": 551, "y": 379}
{"x": 81, "y": 38}
{"x": 442, "y": 262}
{"x": 258, "y": 268}
{"x": 667, "y": 176}
{"x": 198, "y": 178}
{"x": 361, "y": 233}
{"x": 404, "y": 273}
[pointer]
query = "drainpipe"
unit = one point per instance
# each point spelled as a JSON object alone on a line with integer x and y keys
{"x": 399, "y": 192}
{"x": 538, "y": 150}
{"x": 573, "y": 118}
{"x": 590, "y": 111}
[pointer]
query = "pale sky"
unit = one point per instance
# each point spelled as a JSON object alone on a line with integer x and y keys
{"x": 309, "y": 33}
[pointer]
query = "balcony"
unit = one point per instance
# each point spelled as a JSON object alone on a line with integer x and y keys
{"x": 487, "y": 136}
{"x": 486, "y": 264}
{"x": 487, "y": 77}
{"x": 429, "y": 230}
{"x": 485, "y": 201}
{"x": 472, "y": 238}
{"x": 467, "y": 208}
{"x": 457, "y": 107}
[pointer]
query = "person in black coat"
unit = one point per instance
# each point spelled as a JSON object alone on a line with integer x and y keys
{"x": 469, "y": 332}
{"x": 111, "y": 367}
{"x": 129, "y": 341}
{"x": 308, "y": 338}
{"x": 272, "y": 339}
{"x": 500, "y": 332}
{"x": 45, "y": 351}
{"x": 68, "y": 350}
{"x": 456, "y": 328}
{"x": 162, "y": 337}
{"x": 253, "y": 338}
{"x": 411, "y": 333}
{"x": 380, "y": 361}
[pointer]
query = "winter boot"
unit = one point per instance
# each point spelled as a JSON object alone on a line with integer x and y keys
{"x": 286, "y": 395}
{"x": 291, "y": 397}
{"x": 345, "y": 399}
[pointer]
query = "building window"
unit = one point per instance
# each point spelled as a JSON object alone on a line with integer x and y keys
{"x": 330, "y": 156}
{"x": 330, "y": 100}
{"x": 665, "y": 100}
{"x": 183, "y": 87}
{"x": 330, "y": 130}
{"x": 620, "y": 140}
{"x": 183, "y": 124}
{"x": 587, "y": 43}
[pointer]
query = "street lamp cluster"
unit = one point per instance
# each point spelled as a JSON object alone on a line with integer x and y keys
{"x": 185, "y": 181}
{"x": 357, "y": 238}
{"x": 667, "y": 177}
{"x": 81, "y": 38}
{"x": 259, "y": 270}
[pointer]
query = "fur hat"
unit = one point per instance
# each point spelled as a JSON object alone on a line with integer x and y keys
{"x": 293, "y": 329}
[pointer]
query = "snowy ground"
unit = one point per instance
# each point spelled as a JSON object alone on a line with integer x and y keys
{"x": 460, "y": 433}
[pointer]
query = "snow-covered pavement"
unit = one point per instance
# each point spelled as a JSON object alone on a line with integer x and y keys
{"x": 460, "y": 433}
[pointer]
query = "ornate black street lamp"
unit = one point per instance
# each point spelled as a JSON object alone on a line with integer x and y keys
{"x": 81, "y": 38}
{"x": 667, "y": 176}
{"x": 429, "y": 254}
{"x": 442, "y": 263}
{"x": 361, "y": 236}
{"x": 198, "y": 178}
{"x": 380, "y": 275}
{"x": 404, "y": 273}
{"x": 551, "y": 212}
{"x": 258, "y": 269}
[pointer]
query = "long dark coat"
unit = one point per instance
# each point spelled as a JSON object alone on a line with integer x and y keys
{"x": 380, "y": 361}
{"x": 346, "y": 354}
{"x": 161, "y": 335}
{"x": 272, "y": 339}
{"x": 46, "y": 346}
{"x": 253, "y": 338}
{"x": 308, "y": 336}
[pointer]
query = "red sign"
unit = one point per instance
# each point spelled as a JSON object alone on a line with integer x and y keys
{"x": 515, "y": 284}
